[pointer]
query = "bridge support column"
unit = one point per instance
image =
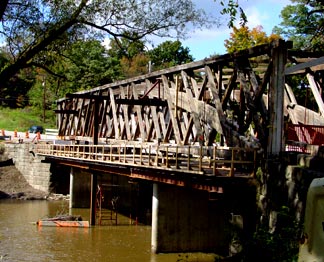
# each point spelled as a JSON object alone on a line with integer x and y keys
{"x": 155, "y": 215}
{"x": 79, "y": 189}
{"x": 71, "y": 188}
{"x": 184, "y": 220}
{"x": 93, "y": 199}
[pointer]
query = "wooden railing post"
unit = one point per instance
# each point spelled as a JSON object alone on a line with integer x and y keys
{"x": 157, "y": 156}
{"x": 214, "y": 159}
{"x": 188, "y": 166}
{"x": 200, "y": 158}
{"x": 125, "y": 153}
{"x": 176, "y": 157}
{"x": 149, "y": 156}
{"x": 232, "y": 164}
{"x": 110, "y": 153}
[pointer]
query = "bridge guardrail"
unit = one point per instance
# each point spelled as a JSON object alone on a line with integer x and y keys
{"x": 209, "y": 160}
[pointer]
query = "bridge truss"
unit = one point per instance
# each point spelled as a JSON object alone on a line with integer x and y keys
{"x": 234, "y": 99}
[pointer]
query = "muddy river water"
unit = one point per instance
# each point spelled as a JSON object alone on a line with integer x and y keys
{"x": 21, "y": 240}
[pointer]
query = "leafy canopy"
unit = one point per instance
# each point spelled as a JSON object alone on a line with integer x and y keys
{"x": 31, "y": 28}
{"x": 303, "y": 23}
{"x": 242, "y": 38}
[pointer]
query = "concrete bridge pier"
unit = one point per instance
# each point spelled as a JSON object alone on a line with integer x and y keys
{"x": 155, "y": 215}
{"x": 188, "y": 220}
{"x": 80, "y": 188}
{"x": 183, "y": 220}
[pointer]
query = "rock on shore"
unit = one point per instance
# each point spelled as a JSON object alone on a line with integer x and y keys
{"x": 13, "y": 185}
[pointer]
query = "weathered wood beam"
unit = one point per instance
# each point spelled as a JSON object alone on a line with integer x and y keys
{"x": 87, "y": 96}
{"x": 154, "y": 114}
{"x": 139, "y": 116}
{"x": 316, "y": 93}
{"x": 141, "y": 102}
{"x": 303, "y": 66}
{"x": 125, "y": 114}
{"x": 65, "y": 111}
{"x": 114, "y": 112}
{"x": 276, "y": 100}
{"x": 173, "y": 117}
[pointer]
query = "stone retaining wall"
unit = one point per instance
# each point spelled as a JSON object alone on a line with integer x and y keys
{"x": 286, "y": 183}
{"x": 30, "y": 166}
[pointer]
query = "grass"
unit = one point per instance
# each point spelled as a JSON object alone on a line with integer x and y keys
{"x": 21, "y": 119}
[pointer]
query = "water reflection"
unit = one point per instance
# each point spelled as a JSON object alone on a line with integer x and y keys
{"x": 21, "y": 240}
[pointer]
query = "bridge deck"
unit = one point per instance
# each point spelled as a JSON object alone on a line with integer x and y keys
{"x": 158, "y": 162}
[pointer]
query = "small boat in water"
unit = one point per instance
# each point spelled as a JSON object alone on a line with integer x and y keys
{"x": 63, "y": 221}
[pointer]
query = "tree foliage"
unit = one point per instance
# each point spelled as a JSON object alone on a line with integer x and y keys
{"x": 233, "y": 9}
{"x": 31, "y": 28}
{"x": 303, "y": 23}
{"x": 242, "y": 38}
{"x": 169, "y": 53}
{"x": 135, "y": 58}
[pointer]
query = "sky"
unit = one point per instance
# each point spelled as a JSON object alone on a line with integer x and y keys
{"x": 203, "y": 44}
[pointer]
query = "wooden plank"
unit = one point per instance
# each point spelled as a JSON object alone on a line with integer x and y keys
{"x": 276, "y": 96}
{"x": 291, "y": 96}
{"x": 140, "y": 122}
{"x": 193, "y": 107}
{"x": 303, "y": 66}
{"x": 154, "y": 114}
{"x": 80, "y": 126}
{"x": 231, "y": 85}
{"x": 316, "y": 93}
{"x": 125, "y": 114}
{"x": 114, "y": 112}
{"x": 220, "y": 114}
{"x": 173, "y": 118}
{"x": 141, "y": 102}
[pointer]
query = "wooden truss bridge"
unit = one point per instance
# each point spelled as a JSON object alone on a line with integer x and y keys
{"x": 212, "y": 117}
{"x": 237, "y": 100}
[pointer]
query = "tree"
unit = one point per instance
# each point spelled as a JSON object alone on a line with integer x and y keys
{"x": 232, "y": 8}
{"x": 84, "y": 65}
{"x": 135, "y": 57}
{"x": 169, "y": 53}
{"x": 303, "y": 23}
{"x": 14, "y": 95}
{"x": 33, "y": 27}
{"x": 242, "y": 38}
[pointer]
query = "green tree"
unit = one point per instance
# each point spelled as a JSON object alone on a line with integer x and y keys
{"x": 14, "y": 94}
{"x": 131, "y": 54}
{"x": 125, "y": 47}
{"x": 303, "y": 23}
{"x": 169, "y": 53}
{"x": 84, "y": 65}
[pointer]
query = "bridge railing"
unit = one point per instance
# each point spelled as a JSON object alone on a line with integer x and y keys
{"x": 208, "y": 160}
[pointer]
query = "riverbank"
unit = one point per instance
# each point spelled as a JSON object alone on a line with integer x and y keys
{"x": 14, "y": 186}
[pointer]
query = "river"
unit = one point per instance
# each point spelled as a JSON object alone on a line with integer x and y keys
{"x": 22, "y": 240}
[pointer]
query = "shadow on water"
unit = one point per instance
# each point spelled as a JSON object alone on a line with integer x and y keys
{"x": 21, "y": 240}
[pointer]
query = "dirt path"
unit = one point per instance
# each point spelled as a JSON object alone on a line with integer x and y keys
{"x": 14, "y": 185}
